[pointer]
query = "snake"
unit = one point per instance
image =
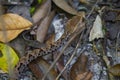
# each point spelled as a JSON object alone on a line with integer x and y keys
{"x": 25, "y": 60}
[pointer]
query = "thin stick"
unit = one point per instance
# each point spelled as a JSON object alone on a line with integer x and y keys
{"x": 92, "y": 9}
{"x": 78, "y": 32}
{"x": 78, "y": 44}
{"x": 116, "y": 45}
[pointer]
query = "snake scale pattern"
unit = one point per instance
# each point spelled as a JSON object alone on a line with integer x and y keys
{"x": 24, "y": 61}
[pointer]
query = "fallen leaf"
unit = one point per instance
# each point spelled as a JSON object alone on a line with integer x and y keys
{"x": 70, "y": 27}
{"x": 14, "y": 22}
{"x": 84, "y": 1}
{"x": 42, "y": 11}
{"x": 72, "y": 24}
{"x": 43, "y": 27}
{"x": 42, "y": 66}
{"x": 96, "y": 31}
{"x": 79, "y": 67}
{"x": 115, "y": 70}
{"x": 11, "y": 25}
{"x": 84, "y": 76}
{"x": 8, "y": 57}
{"x": 65, "y": 6}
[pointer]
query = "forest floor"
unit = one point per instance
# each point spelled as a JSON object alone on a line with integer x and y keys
{"x": 61, "y": 39}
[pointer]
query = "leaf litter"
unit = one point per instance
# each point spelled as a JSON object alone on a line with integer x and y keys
{"x": 92, "y": 53}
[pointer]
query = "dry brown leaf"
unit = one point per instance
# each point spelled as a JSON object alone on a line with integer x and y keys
{"x": 84, "y": 76}
{"x": 115, "y": 70}
{"x": 10, "y": 35}
{"x": 79, "y": 67}
{"x": 84, "y": 1}
{"x": 42, "y": 11}
{"x": 65, "y": 6}
{"x": 43, "y": 27}
{"x": 11, "y": 25}
{"x": 42, "y": 66}
{"x": 72, "y": 24}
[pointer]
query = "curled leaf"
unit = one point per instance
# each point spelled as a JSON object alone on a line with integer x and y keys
{"x": 11, "y": 25}
{"x": 43, "y": 27}
{"x": 65, "y": 6}
{"x": 42, "y": 11}
{"x": 96, "y": 31}
{"x": 8, "y": 57}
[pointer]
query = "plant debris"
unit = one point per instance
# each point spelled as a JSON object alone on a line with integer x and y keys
{"x": 61, "y": 39}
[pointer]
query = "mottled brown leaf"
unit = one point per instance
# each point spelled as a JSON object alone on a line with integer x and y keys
{"x": 79, "y": 67}
{"x": 73, "y": 23}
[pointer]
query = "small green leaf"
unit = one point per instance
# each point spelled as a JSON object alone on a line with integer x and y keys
{"x": 8, "y": 57}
